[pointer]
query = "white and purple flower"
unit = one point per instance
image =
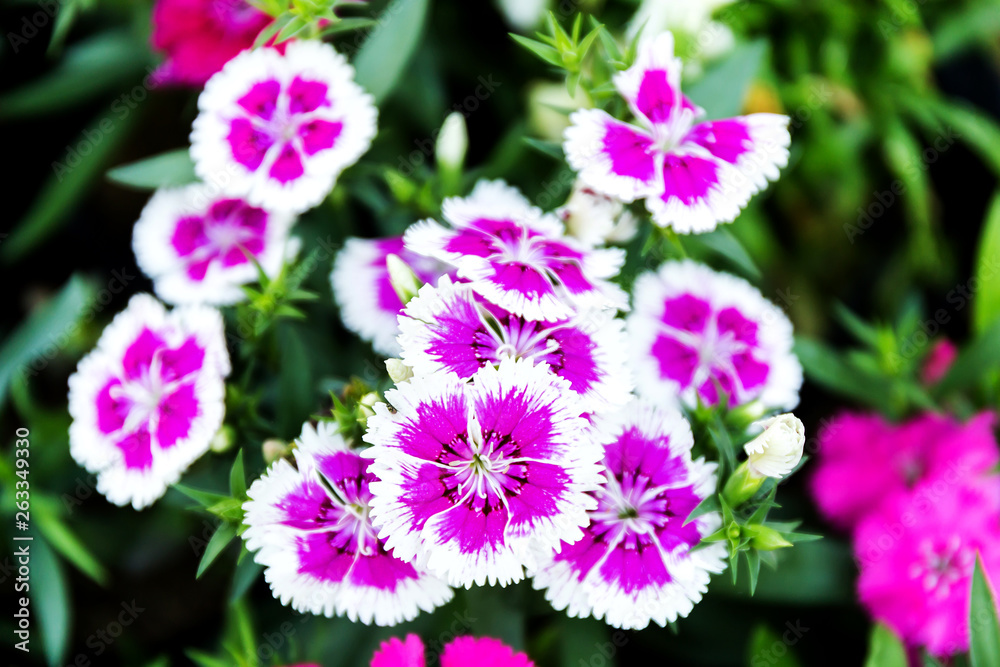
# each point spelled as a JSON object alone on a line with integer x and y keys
{"x": 695, "y": 334}
{"x": 635, "y": 563}
{"x": 452, "y": 329}
{"x": 517, "y": 257}
{"x": 278, "y": 129}
{"x": 368, "y": 302}
{"x": 195, "y": 243}
{"x": 148, "y": 399}
{"x": 480, "y": 479}
{"x": 692, "y": 176}
{"x": 311, "y": 529}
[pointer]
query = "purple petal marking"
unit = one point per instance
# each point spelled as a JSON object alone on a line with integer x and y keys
{"x": 657, "y": 99}
{"x": 727, "y": 140}
{"x": 630, "y": 151}
{"x": 111, "y": 412}
{"x": 382, "y": 571}
{"x": 248, "y": 144}
{"x": 178, "y": 411}
{"x": 731, "y": 321}
{"x": 752, "y": 373}
{"x": 288, "y": 166}
{"x": 318, "y": 135}
{"x": 189, "y": 235}
{"x": 139, "y": 355}
{"x": 677, "y": 361}
{"x": 305, "y": 96}
{"x": 182, "y": 361}
{"x": 137, "y": 450}
{"x": 689, "y": 178}
{"x": 262, "y": 99}
{"x": 686, "y": 313}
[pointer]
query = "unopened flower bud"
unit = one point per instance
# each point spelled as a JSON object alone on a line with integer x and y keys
{"x": 778, "y": 449}
{"x": 223, "y": 440}
{"x": 398, "y": 371}
{"x": 274, "y": 449}
{"x": 452, "y": 142}
{"x": 402, "y": 278}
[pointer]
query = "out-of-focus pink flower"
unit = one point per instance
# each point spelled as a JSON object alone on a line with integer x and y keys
{"x": 938, "y": 362}
{"x": 917, "y": 554}
{"x": 198, "y": 37}
{"x": 862, "y": 459}
{"x": 461, "y": 652}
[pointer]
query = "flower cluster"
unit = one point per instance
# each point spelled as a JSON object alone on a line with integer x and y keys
{"x": 921, "y": 499}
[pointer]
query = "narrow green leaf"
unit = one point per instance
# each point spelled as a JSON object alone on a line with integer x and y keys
{"x": 825, "y": 367}
{"x": 768, "y": 648}
{"x": 722, "y": 90}
{"x": 861, "y": 330}
{"x": 384, "y": 56}
{"x": 223, "y": 535}
{"x": 986, "y": 304}
{"x": 550, "y": 148}
{"x": 44, "y": 328}
{"x": 347, "y": 25}
{"x": 237, "y": 478}
{"x": 203, "y": 659}
{"x": 203, "y": 498}
{"x": 543, "y": 51}
{"x": 247, "y": 572}
{"x": 51, "y": 606}
{"x": 972, "y": 126}
{"x": 885, "y": 649}
{"x": 723, "y": 243}
{"x": 159, "y": 171}
{"x": 69, "y": 546}
{"x": 984, "y": 628}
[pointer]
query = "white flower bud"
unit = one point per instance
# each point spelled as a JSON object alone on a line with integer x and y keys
{"x": 596, "y": 219}
{"x": 402, "y": 278}
{"x": 398, "y": 371}
{"x": 776, "y": 451}
{"x": 452, "y": 142}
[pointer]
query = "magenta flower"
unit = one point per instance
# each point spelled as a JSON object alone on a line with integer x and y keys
{"x": 198, "y": 37}
{"x": 369, "y": 305}
{"x": 519, "y": 258}
{"x": 278, "y": 129}
{"x": 310, "y": 527}
{"x": 917, "y": 553}
{"x": 194, "y": 244}
{"x": 695, "y": 332}
{"x": 477, "y": 480}
{"x": 938, "y": 362}
{"x": 460, "y": 652}
{"x": 635, "y": 563}
{"x": 148, "y": 399}
{"x": 861, "y": 459}
{"x": 451, "y": 329}
{"x": 692, "y": 176}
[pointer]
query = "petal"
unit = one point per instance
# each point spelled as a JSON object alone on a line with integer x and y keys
{"x": 612, "y": 157}
{"x": 756, "y": 145}
{"x": 652, "y": 86}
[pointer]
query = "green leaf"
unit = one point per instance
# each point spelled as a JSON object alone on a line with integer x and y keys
{"x": 50, "y": 600}
{"x": 204, "y": 498}
{"x": 62, "y": 539}
{"x": 237, "y": 478}
{"x": 203, "y": 659}
{"x": 72, "y": 175}
{"x": 550, "y": 148}
{"x": 46, "y": 326}
{"x": 970, "y": 125}
{"x": 223, "y": 535}
{"x": 159, "y": 171}
{"x": 904, "y": 157}
{"x": 100, "y": 63}
{"x": 722, "y": 242}
{"x": 767, "y": 648}
{"x": 383, "y": 57}
{"x": 885, "y": 649}
{"x": 976, "y": 24}
{"x": 986, "y": 304}
{"x": 982, "y": 356}
{"x": 984, "y": 628}
{"x": 543, "y": 51}
{"x": 722, "y": 90}
{"x": 348, "y": 24}
{"x": 861, "y": 330}
{"x": 247, "y": 571}
{"x": 825, "y": 367}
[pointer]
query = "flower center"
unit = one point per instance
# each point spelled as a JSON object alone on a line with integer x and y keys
{"x": 943, "y": 566}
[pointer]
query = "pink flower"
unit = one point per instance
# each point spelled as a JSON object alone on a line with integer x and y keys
{"x": 198, "y": 37}
{"x": 148, "y": 399}
{"x": 461, "y": 652}
{"x": 693, "y": 176}
{"x": 479, "y": 479}
{"x": 309, "y": 525}
{"x": 938, "y": 362}
{"x": 862, "y": 459}
{"x": 917, "y": 554}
